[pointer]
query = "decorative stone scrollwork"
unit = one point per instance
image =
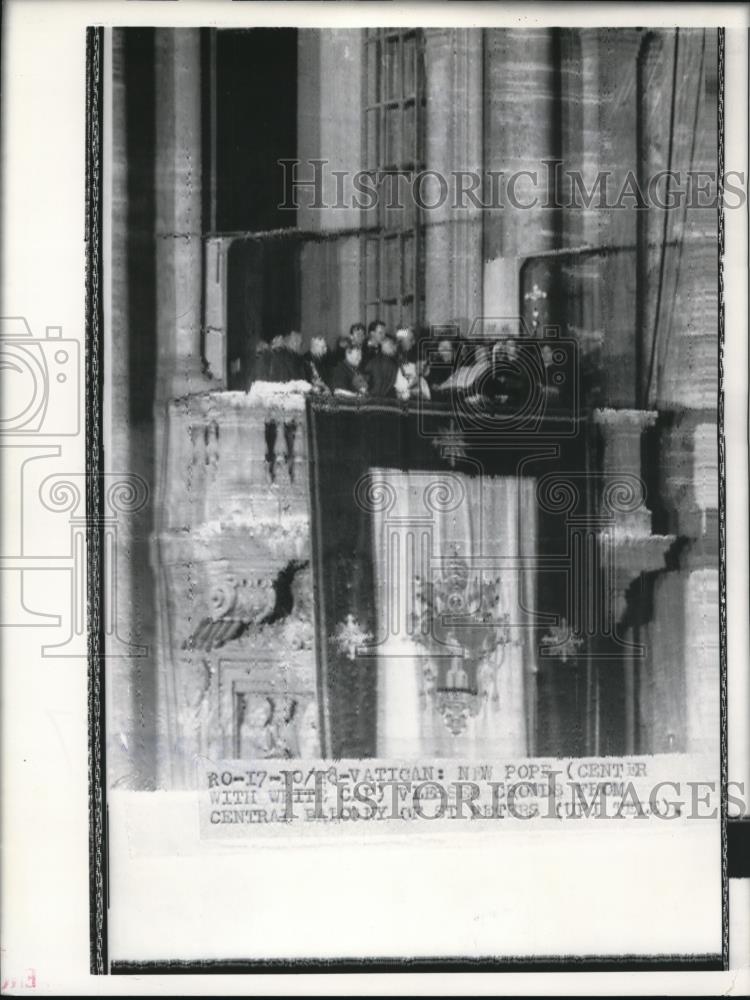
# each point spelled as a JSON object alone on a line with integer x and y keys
{"x": 235, "y": 605}
{"x": 239, "y": 605}
{"x": 223, "y": 598}
{"x": 250, "y": 601}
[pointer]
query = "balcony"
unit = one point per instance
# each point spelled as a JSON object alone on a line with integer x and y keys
{"x": 236, "y": 478}
{"x": 231, "y": 558}
{"x": 232, "y": 551}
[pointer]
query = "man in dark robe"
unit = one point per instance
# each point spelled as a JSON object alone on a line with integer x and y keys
{"x": 357, "y": 334}
{"x": 262, "y": 362}
{"x": 294, "y": 365}
{"x": 375, "y": 338}
{"x": 510, "y": 380}
{"x": 346, "y": 378}
{"x": 339, "y": 350}
{"x": 381, "y": 370}
{"x": 442, "y": 363}
{"x": 276, "y": 366}
{"x": 286, "y": 365}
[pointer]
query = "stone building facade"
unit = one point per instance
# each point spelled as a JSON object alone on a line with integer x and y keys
{"x": 214, "y": 570}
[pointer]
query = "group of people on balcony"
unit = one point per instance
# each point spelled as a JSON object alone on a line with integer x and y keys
{"x": 371, "y": 361}
{"x": 366, "y": 361}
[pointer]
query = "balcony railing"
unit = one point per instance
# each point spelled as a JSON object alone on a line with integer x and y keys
{"x": 232, "y": 456}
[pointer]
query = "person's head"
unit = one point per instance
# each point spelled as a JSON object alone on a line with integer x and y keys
{"x": 353, "y": 355}
{"x": 293, "y": 341}
{"x": 376, "y": 331}
{"x": 357, "y": 333}
{"x": 405, "y": 337}
{"x": 343, "y": 342}
{"x": 318, "y": 347}
{"x": 389, "y": 347}
{"x": 445, "y": 350}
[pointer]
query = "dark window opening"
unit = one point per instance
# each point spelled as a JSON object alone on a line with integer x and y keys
{"x": 252, "y": 127}
{"x": 256, "y": 126}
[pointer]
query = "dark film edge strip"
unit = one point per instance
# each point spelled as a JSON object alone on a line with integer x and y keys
{"x": 94, "y": 506}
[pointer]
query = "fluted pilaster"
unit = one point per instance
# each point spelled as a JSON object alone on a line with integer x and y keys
{"x": 453, "y": 229}
{"x": 178, "y": 227}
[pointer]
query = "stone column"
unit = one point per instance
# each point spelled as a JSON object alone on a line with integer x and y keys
{"x": 628, "y": 546}
{"x": 178, "y": 227}
{"x": 521, "y": 132}
{"x": 329, "y": 127}
{"x": 622, "y": 431}
{"x": 178, "y": 235}
{"x": 453, "y": 145}
{"x": 580, "y": 133}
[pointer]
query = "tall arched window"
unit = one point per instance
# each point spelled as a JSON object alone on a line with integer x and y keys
{"x": 392, "y": 280}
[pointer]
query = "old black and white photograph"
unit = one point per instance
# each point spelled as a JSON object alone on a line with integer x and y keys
{"x": 414, "y": 369}
{"x": 415, "y": 358}
{"x": 405, "y": 501}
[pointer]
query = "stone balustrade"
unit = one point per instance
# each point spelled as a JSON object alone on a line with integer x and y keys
{"x": 234, "y": 461}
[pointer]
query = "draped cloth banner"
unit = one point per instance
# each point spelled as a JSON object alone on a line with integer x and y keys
{"x": 461, "y": 532}
{"x": 392, "y": 513}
